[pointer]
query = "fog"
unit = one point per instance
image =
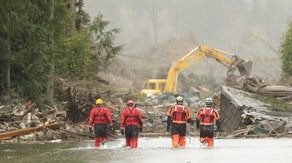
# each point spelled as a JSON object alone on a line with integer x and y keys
{"x": 250, "y": 27}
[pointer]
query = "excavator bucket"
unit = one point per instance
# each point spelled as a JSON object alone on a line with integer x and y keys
{"x": 244, "y": 68}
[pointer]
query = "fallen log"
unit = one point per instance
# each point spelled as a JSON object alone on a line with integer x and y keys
{"x": 8, "y": 135}
{"x": 254, "y": 84}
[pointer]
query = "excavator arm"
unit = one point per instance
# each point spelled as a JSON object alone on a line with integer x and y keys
{"x": 179, "y": 66}
{"x": 232, "y": 62}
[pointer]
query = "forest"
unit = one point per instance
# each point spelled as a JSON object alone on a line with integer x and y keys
{"x": 44, "y": 42}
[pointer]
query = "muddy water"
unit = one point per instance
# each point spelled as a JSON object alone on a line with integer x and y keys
{"x": 152, "y": 150}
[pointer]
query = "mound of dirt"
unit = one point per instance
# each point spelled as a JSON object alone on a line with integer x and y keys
{"x": 156, "y": 62}
{"x": 120, "y": 75}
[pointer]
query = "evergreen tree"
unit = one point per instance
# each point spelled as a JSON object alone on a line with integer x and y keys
{"x": 41, "y": 40}
{"x": 21, "y": 35}
{"x": 286, "y": 51}
{"x": 29, "y": 37}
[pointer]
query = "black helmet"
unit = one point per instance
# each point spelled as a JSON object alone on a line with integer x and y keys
{"x": 179, "y": 100}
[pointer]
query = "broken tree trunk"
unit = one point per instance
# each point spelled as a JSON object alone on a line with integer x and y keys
{"x": 256, "y": 85}
{"x": 8, "y": 135}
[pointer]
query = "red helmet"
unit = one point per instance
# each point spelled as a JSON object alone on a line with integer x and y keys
{"x": 130, "y": 102}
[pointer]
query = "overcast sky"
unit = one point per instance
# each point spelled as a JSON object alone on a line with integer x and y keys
{"x": 253, "y": 27}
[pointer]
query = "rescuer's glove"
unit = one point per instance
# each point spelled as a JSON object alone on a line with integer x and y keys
{"x": 112, "y": 128}
{"x": 90, "y": 129}
{"x": 167, "y": 128}
{"x": 189, "y": 120}
{"x": 122, "y": 131}
{"x": 198, "y": 124}
{"x": 141, "y": 129}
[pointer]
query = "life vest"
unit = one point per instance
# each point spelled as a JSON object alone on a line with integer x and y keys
{"x": 179, "y": 113}
{"x": 99, "y": 116}
{"x": 131, "y": 116}
{"x": 207, "y": 116}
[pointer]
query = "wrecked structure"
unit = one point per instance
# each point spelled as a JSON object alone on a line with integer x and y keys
{"x": 245, "y": 116}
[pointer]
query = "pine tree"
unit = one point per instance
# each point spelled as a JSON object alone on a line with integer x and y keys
{"x": 286, "y": 51}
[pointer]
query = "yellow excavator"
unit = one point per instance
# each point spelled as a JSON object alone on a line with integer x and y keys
{"x": 231, "y": 61}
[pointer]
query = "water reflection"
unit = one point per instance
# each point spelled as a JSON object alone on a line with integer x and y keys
{"x": 151, "y": 150}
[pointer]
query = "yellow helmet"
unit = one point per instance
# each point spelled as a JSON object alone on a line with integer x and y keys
{"x": 98, "y": 102}
{"x": 179, "y": 100}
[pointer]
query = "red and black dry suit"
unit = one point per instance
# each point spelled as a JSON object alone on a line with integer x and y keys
{"x": 100, "y": 116}
{"x": 178, "y": 116}
{"x": 207, "y": 117}
{"x": 132, "y": 122}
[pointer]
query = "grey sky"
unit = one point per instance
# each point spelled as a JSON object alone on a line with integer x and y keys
{"x": 251, "y": 27}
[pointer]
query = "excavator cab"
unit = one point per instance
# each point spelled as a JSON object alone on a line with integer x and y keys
{"x": 153, "y": 86}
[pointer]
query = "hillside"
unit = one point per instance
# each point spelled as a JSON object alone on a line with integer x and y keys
{"x": 130, "y": 72}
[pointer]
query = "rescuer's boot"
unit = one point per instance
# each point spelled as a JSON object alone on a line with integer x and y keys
{"x": 203, "y": 140}
{"x": 133, "y": 142}
{"x": 182, "y": 141}
{"x": 103, "y": 140}
{"x": 127, "y": 142}
{"x": 97, "y": 142}
{"x": 210, "y": 142}
{"x": 175, "y": 140}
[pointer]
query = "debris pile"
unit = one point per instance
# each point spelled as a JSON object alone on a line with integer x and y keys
{"x": 245, "y": 116}
{"x": 260, "y": 86}
{"x": 241, "y": 115}
{"x": 28, "y": 122}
